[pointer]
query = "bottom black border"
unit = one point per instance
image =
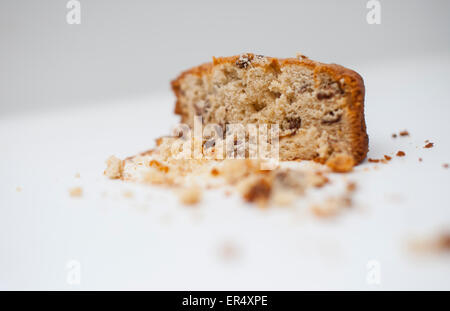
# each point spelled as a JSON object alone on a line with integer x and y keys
{"x": 240, "y": 300}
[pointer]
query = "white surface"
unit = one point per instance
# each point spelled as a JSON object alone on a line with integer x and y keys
{"x": 150, "y": 242}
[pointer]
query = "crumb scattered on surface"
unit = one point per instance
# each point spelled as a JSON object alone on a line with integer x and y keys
{"x": 76, "y": 192}
{"x": 330, "y": 207}
{"x": 436, "y": 244}
{"x": 384, "y": 160}
{"x": 445, "y": 165}
{"x": 444, "y": 242}
{"x": 300, "y": 56}
{"x": 400, "y": 153}
{"x": 401, "y": 133}
{"x": 279, "y": 186}
{"x": 351, "y": 186}
{"x": 429, "y": 145}
{"x": 319, "y": 180}
{"x": 420, "y": 159}
{"x": 283, "y": 198}
{"x": 228, "y": 251}
{"x": 214, "y": 172}
{"x": 257, "y": 190}
{"x": 404, "y": 133}
{"x": 190, "y": 195}
{"x": 324, "y": 210}
{"x": 128, "y": 194}
{"x": 114, "y": 167}
{"x": 341, "y": 163}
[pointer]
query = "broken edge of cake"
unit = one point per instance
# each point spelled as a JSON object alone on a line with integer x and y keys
{"x": 319, "y": 107}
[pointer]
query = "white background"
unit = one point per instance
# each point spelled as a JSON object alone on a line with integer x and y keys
{"x": 71, "y": 95}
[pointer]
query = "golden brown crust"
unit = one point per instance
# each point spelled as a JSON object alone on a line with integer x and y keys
{"x": 352, "y": 83}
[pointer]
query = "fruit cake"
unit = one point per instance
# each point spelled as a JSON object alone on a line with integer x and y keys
{"x": 319, "y": 108}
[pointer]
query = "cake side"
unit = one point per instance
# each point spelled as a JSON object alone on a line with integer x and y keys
{"x": 319, "y": 107}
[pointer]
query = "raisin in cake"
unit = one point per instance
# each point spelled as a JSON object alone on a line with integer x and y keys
{"x": 319, "y": 107}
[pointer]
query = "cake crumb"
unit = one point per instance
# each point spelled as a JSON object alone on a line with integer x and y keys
{"x": 420, "y": 159}
{"x": 394, "y": 135}
{"x": 400, "y": 153}
{"x": 318, "y": 180}
{"x": 283, "y": 198}
{"x": 436, "y": 244}
{"x": 341, "y": 163}
{"x": 404, "y": 133}
{"x": 351, "y": 186}
{"x": 444, "y": 241}
{"x": 128, "y": 194}
{"x": 114, "y": 167}
{"x": 257, "y": 190}
{"x": 228, "y": 251}
{"x": 429, "y": 145}
{"x": 76, "y": 192}
{"x": 384, "y": 160}
{"x": 214, "y": 172}
{"x": 190, "y": 195}
{"x": 331, "y": 206}
{"x": 327, "y": 209}
{"x": 445, "y": 165}
{"x": 300, "y": 56}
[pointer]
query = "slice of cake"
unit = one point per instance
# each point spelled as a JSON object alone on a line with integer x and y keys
{"x": 319, "y": 108}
